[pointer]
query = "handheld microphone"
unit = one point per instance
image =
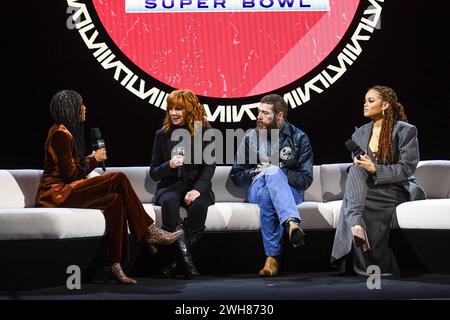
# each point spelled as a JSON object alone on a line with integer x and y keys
{"x": 98, "y": 143}
{"x": 354, "y": 148}
{"x": 179, "y": 151}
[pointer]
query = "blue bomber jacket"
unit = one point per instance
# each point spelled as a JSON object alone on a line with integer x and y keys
{"x": 295, "y": 157}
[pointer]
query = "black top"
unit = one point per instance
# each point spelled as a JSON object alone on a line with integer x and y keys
{"x": 197, "y": 171}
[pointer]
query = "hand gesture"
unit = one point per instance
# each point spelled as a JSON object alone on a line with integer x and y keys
{"x": 260, "y": 167}
{"x": 366, "y": 163}
{"x": 99, "y": 154}
{"x": 176, "y": 161}
{"x": 191, "y": 196}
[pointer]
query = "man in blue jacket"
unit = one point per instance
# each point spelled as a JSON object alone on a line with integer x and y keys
{"x": 276, "y": 161}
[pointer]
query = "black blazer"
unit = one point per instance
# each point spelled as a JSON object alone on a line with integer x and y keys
{"x": 193, "y": 176}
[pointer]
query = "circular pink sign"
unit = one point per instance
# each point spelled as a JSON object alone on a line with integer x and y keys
{"x": 229, "y": 54}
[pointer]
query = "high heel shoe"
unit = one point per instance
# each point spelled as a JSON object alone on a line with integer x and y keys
{"x": 155, "y": 235}
{"x": 115, "y": 272}
{"x": 360, "y": 238}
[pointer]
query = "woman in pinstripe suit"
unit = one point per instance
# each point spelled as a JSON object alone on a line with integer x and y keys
{"x": 376, "y": 183}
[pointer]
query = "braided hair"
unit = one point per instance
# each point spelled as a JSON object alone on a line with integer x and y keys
{"x": 390, "y": 117}
{"x": 65, "y": 109}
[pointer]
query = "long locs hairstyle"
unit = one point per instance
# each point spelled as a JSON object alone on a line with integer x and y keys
{"x": 392, "y": 114}
{"x": 65, "y": 109}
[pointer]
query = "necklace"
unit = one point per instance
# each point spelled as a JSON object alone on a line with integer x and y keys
{"x": 376, "y": 133}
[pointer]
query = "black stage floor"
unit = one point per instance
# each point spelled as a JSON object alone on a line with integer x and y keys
{"x": 288, "y": 286}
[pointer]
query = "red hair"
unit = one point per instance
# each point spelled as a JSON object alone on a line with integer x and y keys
{"x": 187, "y": 100}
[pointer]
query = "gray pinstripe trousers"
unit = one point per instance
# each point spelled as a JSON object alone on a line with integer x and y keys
{"x": 372, "y": 207}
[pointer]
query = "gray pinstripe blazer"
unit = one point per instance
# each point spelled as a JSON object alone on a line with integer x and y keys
{"x": 406, "y": 157}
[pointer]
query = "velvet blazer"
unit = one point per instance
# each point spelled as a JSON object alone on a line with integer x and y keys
{"x": 61, "y": 169}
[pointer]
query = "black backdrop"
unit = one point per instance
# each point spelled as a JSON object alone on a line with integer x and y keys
{"x": 41, "y": 56}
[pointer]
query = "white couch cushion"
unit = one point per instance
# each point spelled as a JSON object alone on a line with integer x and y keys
{"x": 224, "y": 216}
{"x": 316, "y": 215}
{"x": 50, "y": 223}
{"x": 314, "y": 192}
{"x": 154, "y": 212}
{"x": 424, "y": 214}
{"x": 434, "y": 177}
{"x": 224, "y": 189}
{"x": 18, "y": 187}
{"x": 11, "y": 195}
{"x": 335, "y": 207}
{"x": 28, "y": 181}
{"x": 333, "y": 178}
{"x": 158, "y": 215}
{"x": 140, "y": 179}
{"x": 330, "y": 211}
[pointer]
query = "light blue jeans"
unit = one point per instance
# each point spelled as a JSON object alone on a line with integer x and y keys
{"x": 277, "y": 202}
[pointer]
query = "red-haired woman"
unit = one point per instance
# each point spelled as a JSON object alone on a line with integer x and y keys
{"x": 376, "y": 183}
{"x": 184, "y": 178}
{"x": 64, "y": 184}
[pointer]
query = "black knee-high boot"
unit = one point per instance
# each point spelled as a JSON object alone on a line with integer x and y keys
{"x": 185, "y": 258}
{"x": 184, "y": 262}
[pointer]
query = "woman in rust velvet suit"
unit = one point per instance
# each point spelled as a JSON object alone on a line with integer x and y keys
{"x": 64, "y": 184}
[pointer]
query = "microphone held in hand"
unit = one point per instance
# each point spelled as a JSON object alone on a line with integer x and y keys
{"x": 98, "y": 143}
{"x": 354, "y": 148}
{"x": 179, "y": 151}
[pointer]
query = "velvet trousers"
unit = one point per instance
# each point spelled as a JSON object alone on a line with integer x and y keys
{"x": 113, "y": 194}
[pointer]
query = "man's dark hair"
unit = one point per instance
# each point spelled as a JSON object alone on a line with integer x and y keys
{"x": 277, "y": 102}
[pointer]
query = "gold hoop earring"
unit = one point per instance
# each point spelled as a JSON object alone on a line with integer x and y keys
{"x": 382, "y": 113}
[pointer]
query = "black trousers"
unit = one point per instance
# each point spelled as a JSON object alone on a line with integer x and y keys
{"x": 171, "y": 201}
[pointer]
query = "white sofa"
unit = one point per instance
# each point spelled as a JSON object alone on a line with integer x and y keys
{"x": 20, "y": 221}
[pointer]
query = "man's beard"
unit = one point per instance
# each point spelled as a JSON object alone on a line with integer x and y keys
{"x": 269, "y": 126}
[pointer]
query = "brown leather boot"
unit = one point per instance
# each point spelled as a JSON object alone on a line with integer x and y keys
{"x": 155, "y": 235}
{"x": 271, "y": 268}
